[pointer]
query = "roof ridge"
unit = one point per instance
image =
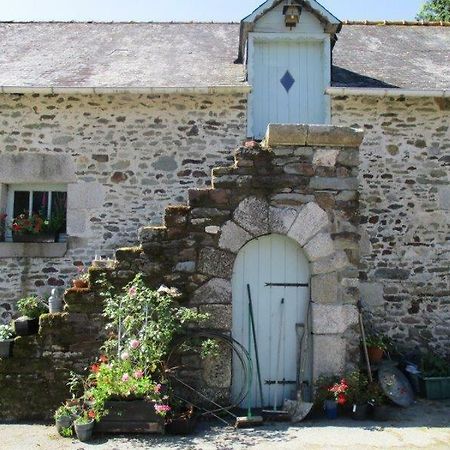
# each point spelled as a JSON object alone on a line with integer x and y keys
{"x": 416, "y": 23}
{"x": 119, "y": 22}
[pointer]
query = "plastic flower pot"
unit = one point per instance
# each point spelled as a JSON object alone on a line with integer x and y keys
{"x": 84, "y": 431}
{"x": 375, "y": 354}
{"x": 24, "y": 326}
{"x": 360, "y": 411}
{"x": 380, "y": 413}
{"x": 63, "y": 422}
{"x": 330, "y": 407}
{"x": 80, "y": 284}
{"x": 6, "y": 348}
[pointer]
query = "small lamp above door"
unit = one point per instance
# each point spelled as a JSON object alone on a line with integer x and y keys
{"x": 292, "y": 14}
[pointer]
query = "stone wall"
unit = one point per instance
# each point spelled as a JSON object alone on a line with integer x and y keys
{"x": 405, "y": 209}
{"x": 302, "y": 184}
{"x": 128, "y": 155}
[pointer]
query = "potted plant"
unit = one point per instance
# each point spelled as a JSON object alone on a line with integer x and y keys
{"x": 82, "y": 282}
{"x": 64, "y": 416}
{"x": 84, "y": 425}
{"x": 376, "y": 346}
{"x": 358, "y": 395}
{"x": 37, "y": 227}
{"x": 434, "y": 377}
{"x": 378, "y": 402}
{"x": 6, "y": 341}
{"x": 30, "y": 309}
{"x": 331, "y": 393}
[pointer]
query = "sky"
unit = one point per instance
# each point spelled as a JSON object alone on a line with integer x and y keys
{"x": 187, "y": 10}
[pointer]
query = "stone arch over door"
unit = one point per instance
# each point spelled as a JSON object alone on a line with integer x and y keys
{"x": 310, "y": 227}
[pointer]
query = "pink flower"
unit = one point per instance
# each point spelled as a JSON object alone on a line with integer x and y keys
{"x": 138, "y": 374}
{"x": 124, "y": 356}
{"x": 162, "y": 408}
{"x": 132, "y": 291}
{"x": 134, "y": 344}
{"x": 125, "y": 377}
{"x": 157, "y": 388}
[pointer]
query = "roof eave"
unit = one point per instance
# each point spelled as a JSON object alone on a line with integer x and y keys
{"x": 382, "y": 92}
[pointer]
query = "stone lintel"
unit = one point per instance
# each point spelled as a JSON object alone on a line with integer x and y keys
{"x": 299, "y": 135}
{"x": 32, "y": 250}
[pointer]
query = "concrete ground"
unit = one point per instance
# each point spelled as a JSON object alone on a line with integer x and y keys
{"x": 426, "y": 425}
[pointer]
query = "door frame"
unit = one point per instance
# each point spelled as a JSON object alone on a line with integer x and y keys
{"x": 280, "y": 37}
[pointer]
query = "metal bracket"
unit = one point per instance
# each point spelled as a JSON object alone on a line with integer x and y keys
{"x": 305, "y": 285}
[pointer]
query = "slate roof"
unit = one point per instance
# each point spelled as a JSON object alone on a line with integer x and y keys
{"x": 67, "y": 54}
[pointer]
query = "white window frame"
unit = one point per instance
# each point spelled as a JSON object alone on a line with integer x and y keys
{"x": 12, "y": 188}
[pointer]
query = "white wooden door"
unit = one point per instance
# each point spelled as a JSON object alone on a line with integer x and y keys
{"x": 288, "y": 83}
{"x": 270, "y": 259}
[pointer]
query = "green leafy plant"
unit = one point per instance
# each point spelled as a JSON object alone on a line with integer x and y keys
{"x": 322, "y": 388}
{"x": 435, "y": 11}
{"x": 376, "y": 395}
{"x": 32, "y": 307}
{"x": 66, "y": 432}
{"x": 375, "y": 340}
{"x": 86, "y": 416}
{"x": 6, "y": 332}
{"x": 434, "y": 366}
{"x": 357, "y": 392}
{"x": 65, "y": 410}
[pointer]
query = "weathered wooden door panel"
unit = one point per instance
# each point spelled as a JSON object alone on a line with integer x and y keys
{"x": 288, "y": 83}
{"x": 270, "y": 259}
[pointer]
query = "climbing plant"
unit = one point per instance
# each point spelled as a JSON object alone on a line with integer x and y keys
{"x": 435, "y": 10}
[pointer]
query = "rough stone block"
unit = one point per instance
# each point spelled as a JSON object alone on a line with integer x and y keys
{"x": 26, "y": 167}
{"x": 334, "y": 184}
{"x": 325, "y": 157}
{"x": 348, "y": 157}
{"x": 216, "y": 290}
{"x": 310, "y": 220}
{"x": 372, "y": 294}
{"x": 217, "y": 369}
{"x": 319, "y": 247}
{"x": 217, "y": 263}
{"x": 252, "y": 214}
{"x": 76, "y": 222}
{"x": 220, "y": 316}
{"x": 334, "y": 136}
{"x": 85, "y": 195}
{"x": 444, "y": 197}
{"x": 324, "y": 288}
{"x": 335, "y": 262}
{"x": 233, "y": 237}
{"x": 333, "y": 319}
{"x": 329, "y": 356}
{"x": 286, "y": 134}
{"x": 281, "y": 219}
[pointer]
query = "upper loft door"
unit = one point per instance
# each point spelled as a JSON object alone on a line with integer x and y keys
{"x": 288, "y": 78}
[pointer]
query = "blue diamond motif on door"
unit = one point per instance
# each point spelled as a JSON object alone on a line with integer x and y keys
{"x": 287, "y": 80}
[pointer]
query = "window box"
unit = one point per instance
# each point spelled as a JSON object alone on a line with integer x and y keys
{"x": 38, "y": 237}
{"x": 435, "y": 388}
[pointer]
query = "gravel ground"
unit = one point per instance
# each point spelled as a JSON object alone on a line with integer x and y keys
{"x": 426, "y": 425}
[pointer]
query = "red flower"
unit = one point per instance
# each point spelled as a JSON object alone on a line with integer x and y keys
{"x": 95, "y": 368}
{"x": 91, "y": 414}
{"x": 103, "y": 359}
{"x": 341, "y": 399}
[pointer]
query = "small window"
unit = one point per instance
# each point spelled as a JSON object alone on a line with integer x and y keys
{"x": 49, "y": 201}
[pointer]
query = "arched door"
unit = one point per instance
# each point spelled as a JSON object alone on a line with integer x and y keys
{"x": 273, "y": 266}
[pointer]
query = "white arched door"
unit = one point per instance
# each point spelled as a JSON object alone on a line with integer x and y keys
{"x": 264, "y": 263}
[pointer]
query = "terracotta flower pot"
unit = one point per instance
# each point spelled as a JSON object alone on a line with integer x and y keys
{"x": 80, "y": 284}
{"x": 375, "y": 354}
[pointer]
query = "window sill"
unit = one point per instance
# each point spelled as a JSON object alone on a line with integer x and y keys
{"x": 32, "y": 250}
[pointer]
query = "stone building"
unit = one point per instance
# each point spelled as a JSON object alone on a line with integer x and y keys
{"x": 121, "y": 120}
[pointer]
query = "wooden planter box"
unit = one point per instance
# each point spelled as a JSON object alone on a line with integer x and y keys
{"x": 135, "y": 416}
{"x": 435, "y": 388}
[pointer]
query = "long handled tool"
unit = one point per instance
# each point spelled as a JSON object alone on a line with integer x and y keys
{"x": 275, "y": 413}
{"x": 250, "y": 420}
{"x": 255, "y": 343}
{"x": 363, "y": 336}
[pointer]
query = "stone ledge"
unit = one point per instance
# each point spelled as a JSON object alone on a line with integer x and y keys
{"x": 300, "y": 135}
{"x": 32, "y": 250}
